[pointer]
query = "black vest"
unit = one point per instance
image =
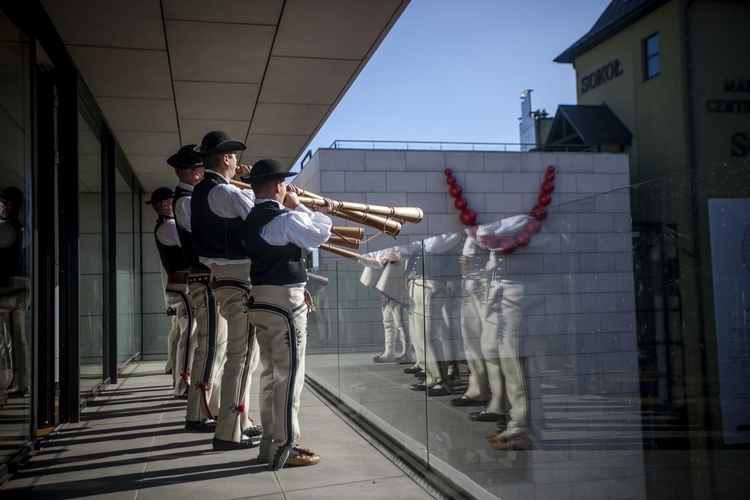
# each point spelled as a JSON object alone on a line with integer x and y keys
{"x": 186, "y": 237}
{"x": 271, "y": 264}
{"x": 11, "y": 257}
{"x": 214, "y": 236}
{"x": 171, "y": 255}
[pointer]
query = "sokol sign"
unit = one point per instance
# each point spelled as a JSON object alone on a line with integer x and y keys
{"x": 601, "y": 76}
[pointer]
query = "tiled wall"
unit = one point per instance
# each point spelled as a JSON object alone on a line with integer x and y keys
{"x": 496, "y": 184}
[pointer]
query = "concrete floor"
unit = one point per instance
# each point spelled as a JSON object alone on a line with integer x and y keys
{"x": 131, "y": 443}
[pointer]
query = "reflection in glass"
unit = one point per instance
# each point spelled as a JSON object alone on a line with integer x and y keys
{"x": 128, "y": 308}
{"x": 605, "y": 358}
{"x": 90, "y": 266}
{"x": 16, "y": 244}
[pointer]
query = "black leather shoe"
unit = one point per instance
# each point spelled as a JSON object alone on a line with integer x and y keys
{"x": 421, "y": 375}
{"x": 208, "y": 425}
{"x": 246, "y": 443}
{"x": 464, "y": 401}
{"x": 413, "y": 369}
{"x": 418, "y": 387}
{"x": 253, "y": 431}
{"x": 439, "y": 390}
{"x": 485, "y": 416}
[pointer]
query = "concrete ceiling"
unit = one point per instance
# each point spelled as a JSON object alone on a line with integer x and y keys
{"x": 268, "y": 72}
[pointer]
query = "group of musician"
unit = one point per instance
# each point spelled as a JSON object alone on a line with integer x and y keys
{"x": 428, "y": 285}
{"x": 235, "y": 266}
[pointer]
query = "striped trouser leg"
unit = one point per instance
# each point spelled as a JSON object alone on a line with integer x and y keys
{"x": 280, "y": 316}
{"x": 210, "y": 351}
{"x": 177, "y": 298}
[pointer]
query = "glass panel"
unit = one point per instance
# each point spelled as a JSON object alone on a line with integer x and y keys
{"x": 128, "y": 308}
{"x": 652, "y": 56}
{"x": 90, "y": 279}
{"x": 16, "y": 243}
{"x": 606, "y": 345}
{"x": 653, "y": 66}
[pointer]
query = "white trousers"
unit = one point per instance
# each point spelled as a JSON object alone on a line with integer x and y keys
{"x": 231, "y": 287}
{"x": 279, "y": 314}
{"x": 177, "y": 299}
{"x": 210, "y": 351}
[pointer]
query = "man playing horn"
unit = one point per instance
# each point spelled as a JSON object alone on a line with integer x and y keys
{"x": 176, "y": 290}
{"x": 218, "y": 210}
{"x": 278, "y": 234}
{"x": 209, "y": 352}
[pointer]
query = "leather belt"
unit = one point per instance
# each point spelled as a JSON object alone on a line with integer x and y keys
{"x": 204, "y": 279}
{"x": 178, "y": 277}
{"x": 244, "y": 285}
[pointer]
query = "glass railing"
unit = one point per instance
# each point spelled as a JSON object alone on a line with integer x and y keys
{"x": 600, "y": 350}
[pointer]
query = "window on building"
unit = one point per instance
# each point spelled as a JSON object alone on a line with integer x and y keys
{"x": 651, "y": 56}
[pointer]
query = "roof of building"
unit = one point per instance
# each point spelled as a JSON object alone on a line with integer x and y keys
{"x": 617, "y": 16}
{"x": 589, "y": 125}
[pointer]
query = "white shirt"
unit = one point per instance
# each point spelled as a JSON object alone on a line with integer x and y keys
{"x": 302, "y": 226}
{"x": 167, "y": 233}
{"x": 181, "y": 208}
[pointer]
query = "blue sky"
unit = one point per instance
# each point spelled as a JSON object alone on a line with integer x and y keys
{"x": 454, "y": 70}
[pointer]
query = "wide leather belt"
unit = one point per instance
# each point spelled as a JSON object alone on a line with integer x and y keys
{"x": 178, "y": 277}
{"x": 204, "y": 279}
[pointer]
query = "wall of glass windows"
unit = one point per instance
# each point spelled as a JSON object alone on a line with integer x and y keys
{"x": 577, "y": 364}
{"x": 70, "y": 285}
{"x": 16, "y": 244}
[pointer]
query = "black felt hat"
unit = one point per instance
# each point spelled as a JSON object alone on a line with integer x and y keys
{"x": 218, "y": 141}
{"x": 185, "y": 158}
{"x": 13, "y": 195}
{"x": 160, "y": 194}
{"x": 266, "y": 170}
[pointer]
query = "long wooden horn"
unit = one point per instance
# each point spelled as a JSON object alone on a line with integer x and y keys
{"x": 336, "y": 240}
{"x": 407, "y": 214}
{"x": 356, "y": 233}
{"x": 389, "y": 226}
{"x": 339, "y": 251}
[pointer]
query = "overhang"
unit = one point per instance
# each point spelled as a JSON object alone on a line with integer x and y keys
{"x": 268, "y": 72}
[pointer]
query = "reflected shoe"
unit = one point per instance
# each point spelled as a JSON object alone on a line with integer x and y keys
{"x": 246, "y": 443}
{"x": 404, "y": 359}
{"x": 413, "y": 369}
{"x": 518, "y": 439}
{"x": 383, "y": 359}
{"x": 208, "y": 425}
{"x": 439, "y": 390}
{"x": 485, "y": 416}
{"x": 421, "y": 375}
{"x": 418, "y": 387}
{"x": 464, "y": 401}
